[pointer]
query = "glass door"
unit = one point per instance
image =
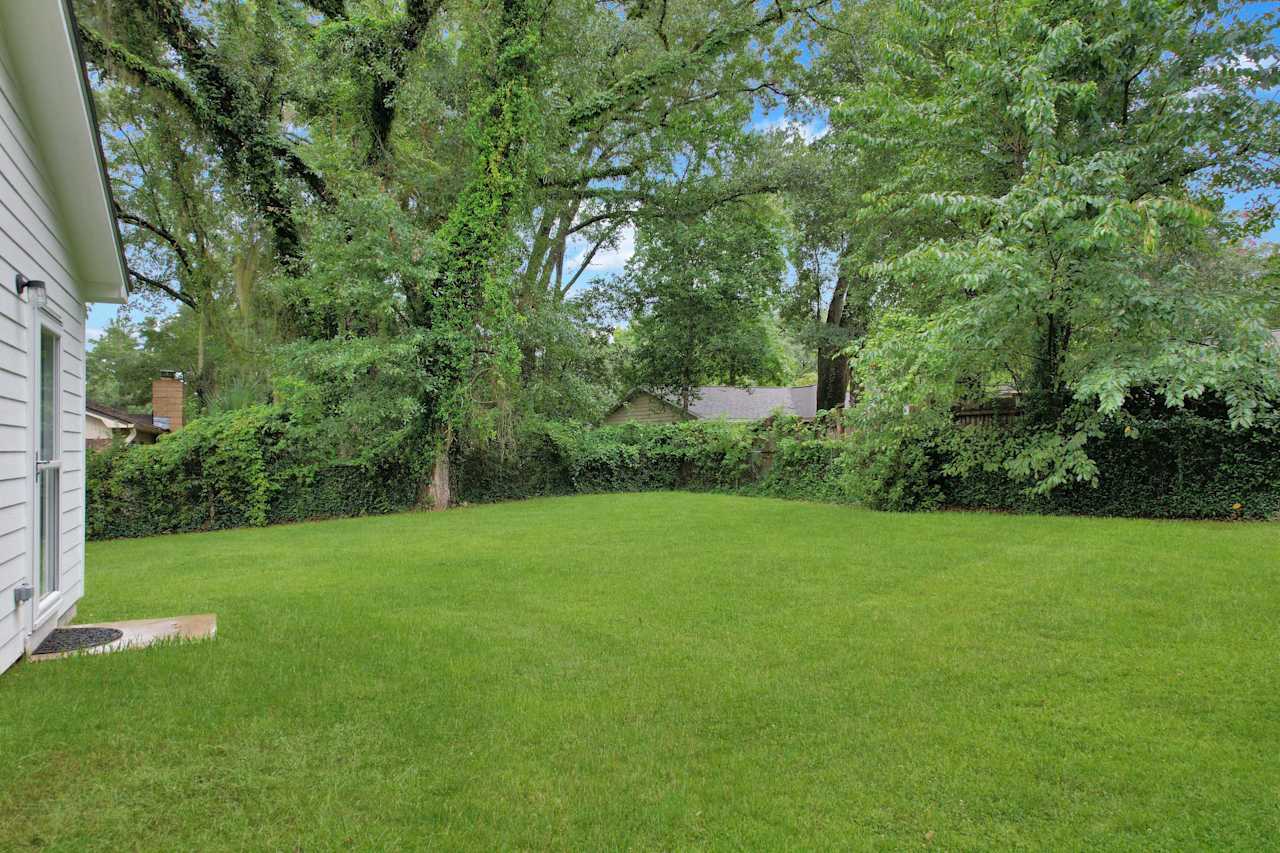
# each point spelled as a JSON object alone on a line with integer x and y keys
{"x": 48, "y": 465}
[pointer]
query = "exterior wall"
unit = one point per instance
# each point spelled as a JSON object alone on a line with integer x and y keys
{"x": 167, "y": 400}
{"x": 95, "y": 429}
{"x": 646, "y": 409}
{"x": 32, "y": 242}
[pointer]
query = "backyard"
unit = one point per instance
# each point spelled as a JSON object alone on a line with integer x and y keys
{"x": 665, "y": 671}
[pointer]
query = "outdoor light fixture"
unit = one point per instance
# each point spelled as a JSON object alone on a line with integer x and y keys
{"x": 39, "y": 294}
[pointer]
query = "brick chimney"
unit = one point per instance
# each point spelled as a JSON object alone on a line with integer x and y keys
{"x": 168, "y": 393}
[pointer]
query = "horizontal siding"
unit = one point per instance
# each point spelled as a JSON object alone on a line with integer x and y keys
{"x": 13, "y": 518}
{"x": 13, "y": 385}
{"x": 13, "y": 464}
{"x": 32, "y": 242}
{"x": 18, "y": 181}
{"x": 13, "y": 322}
{"x": 645, "y": 409}
{"x": 19, "y": 141}
{"x": 9, "y": 651}
{"x": 13, "y": 327}
{"x": 72, "y": 428}
{"x": 10, "y": 106}
{"x": 12, "y": 546}
{"x": 13, "y": 438}
{"x": 12, "y": 412}
{"x": 12, "y": 573}
{"x": 13, "y": 492}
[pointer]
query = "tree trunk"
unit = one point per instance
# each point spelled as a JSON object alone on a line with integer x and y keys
{"x": 439, "y": 493}
{"x": 833, "y": 364}
{"x": 528, "y": 361}
{"x": 202, "y": 384}
{"x": 833, "y": 377}
{"x": 1047, "y": 399}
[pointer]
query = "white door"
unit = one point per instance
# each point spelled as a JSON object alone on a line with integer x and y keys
{"x": 46, "y": 568}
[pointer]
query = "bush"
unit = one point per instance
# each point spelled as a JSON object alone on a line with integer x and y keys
{"x": 532, "y": 465}
{"x": 1171, "y": 465}
{"x": 810, "y": 469}
{"x": 255, "y": 466}
{"x": 559, "y": 459}
{"x": 247, "y": 467}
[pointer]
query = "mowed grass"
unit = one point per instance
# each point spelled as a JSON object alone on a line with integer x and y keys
{"x": 666, "y": 671}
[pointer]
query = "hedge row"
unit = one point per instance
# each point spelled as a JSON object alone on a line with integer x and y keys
{"x": 1171, "y": 465}
{"x": 245, "y": 468}
{"x": 560, "y": 459}
{"x": 251, "y": 467}
{"x": 1179, "y": 466}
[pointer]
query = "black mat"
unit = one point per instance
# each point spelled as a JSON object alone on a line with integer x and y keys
{"x": 71, "y": 639}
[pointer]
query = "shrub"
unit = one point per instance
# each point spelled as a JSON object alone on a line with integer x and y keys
{"x": 556, "y": 459}
{"x": 810, "y": 469}
{"x": 1170, "y": 465}
{"x": 247, "y": 467}
{"x": 256, "y": 466}
{"x": 532, "y": 465}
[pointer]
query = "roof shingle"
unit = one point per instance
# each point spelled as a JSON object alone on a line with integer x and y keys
{"x": 751, "y": 404}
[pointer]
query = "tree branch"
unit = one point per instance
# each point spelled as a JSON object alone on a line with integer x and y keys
{"x": 166, "y": 289}
{"x": 114, "y": 58}
{"x": 160, "y": 231}
{"x": 586, "y": 262}
{"x": 705, "y": 50}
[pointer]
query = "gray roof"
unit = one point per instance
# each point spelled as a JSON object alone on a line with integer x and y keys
{"x": 751, "y": 404}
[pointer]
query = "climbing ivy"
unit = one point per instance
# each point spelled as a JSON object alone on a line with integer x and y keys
{"x": 472, "y": 283}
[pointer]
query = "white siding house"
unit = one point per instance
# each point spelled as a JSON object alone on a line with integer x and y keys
{"x": 56, "y": 227}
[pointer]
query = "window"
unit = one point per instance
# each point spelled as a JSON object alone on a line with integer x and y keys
{"x": 48, "y": 466}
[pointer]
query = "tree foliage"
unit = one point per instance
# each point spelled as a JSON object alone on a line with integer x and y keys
{"x": 1075, "y": 160}
{"x": 387, "y": 215}
{"x": 700, "y": 294}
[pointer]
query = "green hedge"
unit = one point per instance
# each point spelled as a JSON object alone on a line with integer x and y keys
{"x": 1179, "y": 465}
{"x": 809, "y": 469}
{"x": 244, "y": 468}
{"x": 251, "y": 467}
{"x": 560, "y": 459}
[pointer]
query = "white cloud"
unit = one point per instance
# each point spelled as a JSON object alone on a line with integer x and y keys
{"x": 92, "y": 335}
{"x": 616, "y": 257}
{"x": 1248, "y": 63}
{"x": 1236, "y": 62}
{"x": 609, "y": 259}
{"x": 807, "y": 131}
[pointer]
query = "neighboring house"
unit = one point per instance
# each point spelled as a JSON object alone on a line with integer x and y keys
{"x": 717, "y": 401}
{"x": 59, "y": 249}
{"x": 103, "y": 425}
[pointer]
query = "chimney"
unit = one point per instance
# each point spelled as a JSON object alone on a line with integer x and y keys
{"x": 167, "y": 397}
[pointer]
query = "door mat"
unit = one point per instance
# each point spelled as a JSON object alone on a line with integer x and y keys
{"x": 64, "y": 640}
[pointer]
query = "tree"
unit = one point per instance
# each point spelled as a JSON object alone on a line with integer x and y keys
{"x": 699, "y": 293}
{"x": 830, "y": 302}
{"x": 117, "y": 372}
{"x": 1076, "y": 158}
{"x": 386, "y": 149}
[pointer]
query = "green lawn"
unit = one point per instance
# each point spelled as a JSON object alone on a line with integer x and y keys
{"x": 666, "y": 671}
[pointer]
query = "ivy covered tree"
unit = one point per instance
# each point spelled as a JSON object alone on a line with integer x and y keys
{"x": 420, "y": 170}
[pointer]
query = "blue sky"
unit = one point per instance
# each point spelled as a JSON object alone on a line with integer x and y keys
{"x": 611, "y": 260}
